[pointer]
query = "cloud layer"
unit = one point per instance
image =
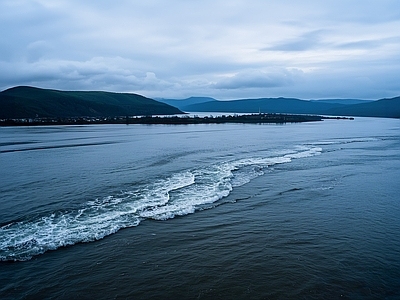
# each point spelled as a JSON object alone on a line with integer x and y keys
{"x": 224, "y": 49}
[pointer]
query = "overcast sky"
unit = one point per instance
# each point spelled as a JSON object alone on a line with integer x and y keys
{"x": 226, "y": 49}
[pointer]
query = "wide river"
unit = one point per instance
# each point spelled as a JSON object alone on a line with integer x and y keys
{"x": 227, "y": 211}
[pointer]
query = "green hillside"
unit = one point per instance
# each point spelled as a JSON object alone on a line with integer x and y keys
{"x": 385, "y": 108}
{"x": 29, "y": 102}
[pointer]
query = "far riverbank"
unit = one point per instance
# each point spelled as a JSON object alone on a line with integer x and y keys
{"x": 172, "y": 120}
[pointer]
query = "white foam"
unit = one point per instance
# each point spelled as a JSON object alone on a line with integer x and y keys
{"x": 305, "y": 153}
{"x": 342, "y": 141}
{"x": 180, "y": 194}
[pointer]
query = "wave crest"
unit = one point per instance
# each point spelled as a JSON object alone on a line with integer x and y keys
{"x": 180, "y": 194}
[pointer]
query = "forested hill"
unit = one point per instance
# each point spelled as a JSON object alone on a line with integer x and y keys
{"x": 387, "y": 108}
{"x": 384, "y": 108}
{"x": 31, "y": 102}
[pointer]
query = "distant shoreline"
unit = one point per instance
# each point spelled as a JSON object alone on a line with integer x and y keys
{"x": 170, "y": 120}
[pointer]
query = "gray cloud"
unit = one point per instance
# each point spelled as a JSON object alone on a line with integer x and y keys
{"x": 306, "y": 41}
{"x": 210, "y": 48}
{"x": 370, "y": 44}
{"x": 97, "y": 73}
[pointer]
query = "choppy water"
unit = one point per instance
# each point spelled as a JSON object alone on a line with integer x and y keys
{"x": 201, "y": 211}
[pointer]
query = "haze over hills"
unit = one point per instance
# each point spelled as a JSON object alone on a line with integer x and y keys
{"x": 388, "y": 108}
{"x": 30, "y": 102}
{"x": 185, "y": 102}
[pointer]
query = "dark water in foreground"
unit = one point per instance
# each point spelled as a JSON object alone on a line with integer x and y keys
{"x": 246, "y": 211}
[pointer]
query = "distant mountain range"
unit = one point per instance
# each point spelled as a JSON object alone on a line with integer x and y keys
{"x": 30, "y": 102}
{"x": 386, "y": 108}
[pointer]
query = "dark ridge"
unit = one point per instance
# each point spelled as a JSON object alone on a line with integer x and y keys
{"x": 387, "y": 108}
{"x": 383, "y": 108}
{"x": 31, "y": 102}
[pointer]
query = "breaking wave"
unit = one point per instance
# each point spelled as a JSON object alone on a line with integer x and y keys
{"x": 180, "y": 194}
